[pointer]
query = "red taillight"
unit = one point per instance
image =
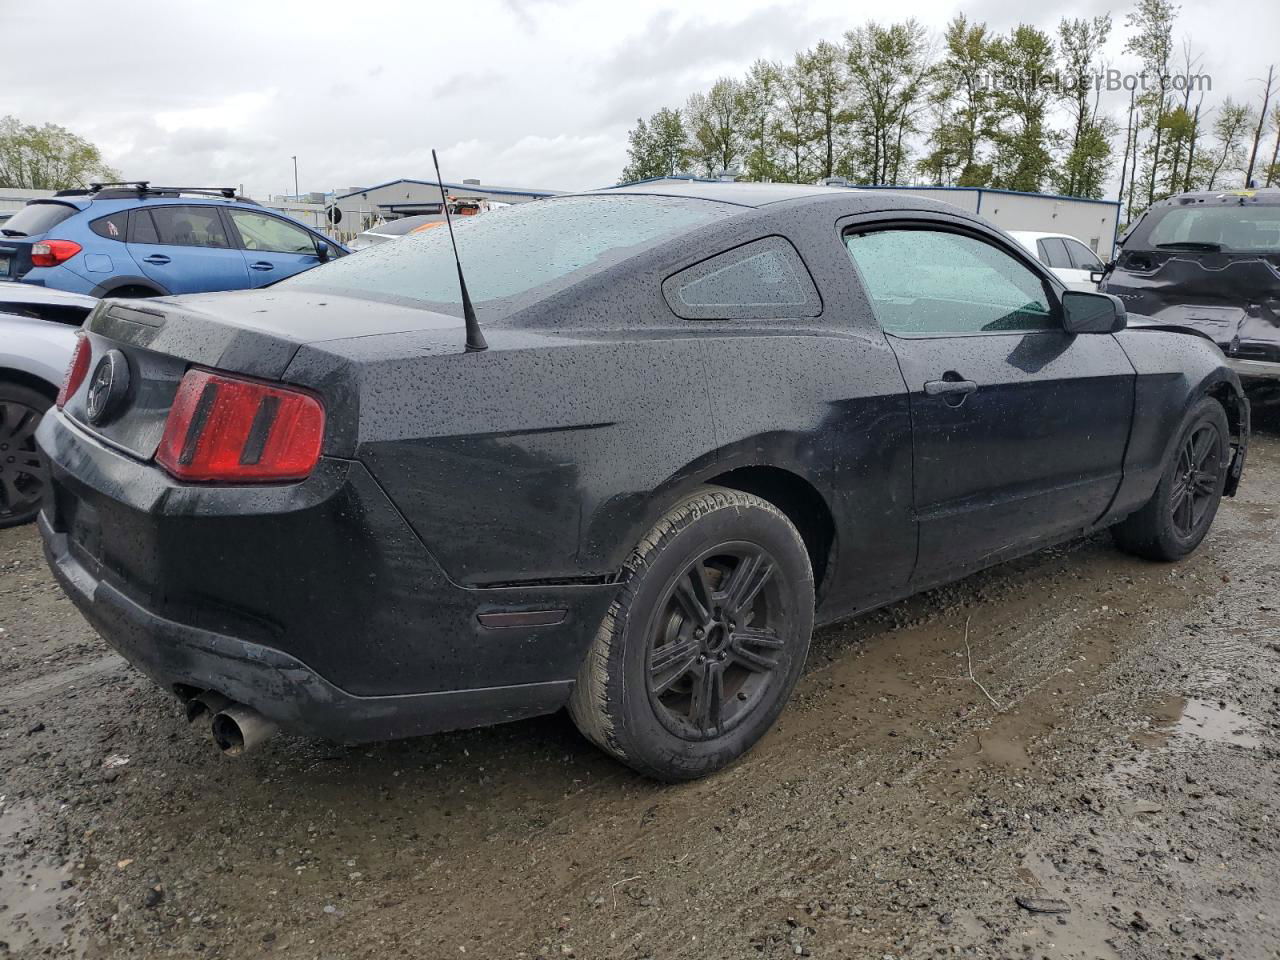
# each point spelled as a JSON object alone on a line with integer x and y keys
{"x": 77, "y": 370}
{"x": 223, "y": 429}
{"x": 50, "y": 253}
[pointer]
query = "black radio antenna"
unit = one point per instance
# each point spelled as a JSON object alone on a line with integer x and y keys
{"x": 475, "y": 339}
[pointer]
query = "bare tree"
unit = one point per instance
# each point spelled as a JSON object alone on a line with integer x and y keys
{"x": 1262, "y": 124}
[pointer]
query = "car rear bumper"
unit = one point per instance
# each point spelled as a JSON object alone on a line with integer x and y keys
{"x": 278, "y": 685}
{"x": 313, "y": 603}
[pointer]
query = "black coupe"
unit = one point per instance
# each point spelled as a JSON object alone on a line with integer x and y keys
{"x": 708, "y": 416}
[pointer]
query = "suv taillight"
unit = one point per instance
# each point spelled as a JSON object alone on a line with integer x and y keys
{"x": 223, "y": 429}
{"x": 50, "y": 253}
{"x": 77, "y": 369}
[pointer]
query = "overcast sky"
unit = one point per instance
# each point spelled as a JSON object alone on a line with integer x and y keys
{"x": 518, "y": 92}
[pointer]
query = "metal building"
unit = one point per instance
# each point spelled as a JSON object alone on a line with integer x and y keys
{"x": 363, "y": 206}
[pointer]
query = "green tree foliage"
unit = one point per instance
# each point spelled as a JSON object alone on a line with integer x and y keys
{"x": 890, "y": 104}
{"x": 759, "y": 97}
{"x": 1231, "y": 131}
{"x": 1024, "y": 90}
{"x": 1087, "y": 140}
{"x": 1151, "y": 40}
{"x": 655, "y": 148}
{"x": 965, "y": 100}
{"x": 796, "y": 125}
{"x": 48, "y": 157}
{"x": 888, "y": 69}
{"x": 716, "y": 125}
{"x": 824, "y": 74}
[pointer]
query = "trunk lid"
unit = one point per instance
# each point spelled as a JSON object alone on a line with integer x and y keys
{"x": 250, "y": 333}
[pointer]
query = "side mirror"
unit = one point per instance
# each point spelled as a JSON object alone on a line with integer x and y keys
{"x": 1085, "y": 312}
{"x": 1097, "y": 276}
{"x": 322, "y": 250}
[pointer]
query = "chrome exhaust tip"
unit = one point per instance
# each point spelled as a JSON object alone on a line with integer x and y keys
{"x": 204, "y": 706}
{"x": 238, "y": 729}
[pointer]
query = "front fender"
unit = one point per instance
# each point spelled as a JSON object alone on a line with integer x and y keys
{"x": 1175, "y": 369}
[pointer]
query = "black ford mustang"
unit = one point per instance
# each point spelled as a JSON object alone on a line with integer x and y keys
{"x": 708, "y": 417}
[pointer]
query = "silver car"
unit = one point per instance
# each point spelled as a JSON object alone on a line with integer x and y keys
{"x": 37, "y": 338}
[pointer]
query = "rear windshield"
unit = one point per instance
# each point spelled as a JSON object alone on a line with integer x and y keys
{"x": 37, "y": 218}
{"x": 1231, "y": 228}
{"x": 520, "y": 251}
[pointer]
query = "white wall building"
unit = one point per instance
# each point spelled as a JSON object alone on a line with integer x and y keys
{"x": 1093, "y": 222}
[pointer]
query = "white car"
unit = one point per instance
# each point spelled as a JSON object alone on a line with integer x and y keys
{"x": 1069, "y": 259}
{"x": 37, "y": 338}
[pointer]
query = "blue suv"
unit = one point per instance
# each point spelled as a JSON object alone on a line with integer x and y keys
{"x": 135, "y": 240}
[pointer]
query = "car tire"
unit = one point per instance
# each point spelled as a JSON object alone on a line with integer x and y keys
{"x": 23, "y": 470}
{"x": 701, "y": 649}
{"x": 131, "y": 293}
{"x": 1178, "y": 516}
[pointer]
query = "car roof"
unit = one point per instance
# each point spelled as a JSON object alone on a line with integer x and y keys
{"x": 105, "y": 206}
{"x": 1258, "y": 195}
{"x": 1034, "y": 235}
{"x": 762, "y": 194}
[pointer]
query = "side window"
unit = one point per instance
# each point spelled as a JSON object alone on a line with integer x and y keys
{"x": 1055, "y": 253}
{"x": 271, "y": 234}
{"x": 114, "y": 227}
{"x": 142, "y": 229}
{"x": 925, "y": 282}
{"x": 189, "y": 226}
{"x": 765, "y": 279}
{"x": 1082, "y": 256}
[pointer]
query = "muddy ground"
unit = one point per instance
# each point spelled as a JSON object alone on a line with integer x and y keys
{"x": 1127, "y": 773}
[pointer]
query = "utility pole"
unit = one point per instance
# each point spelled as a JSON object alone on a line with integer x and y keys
{"x": 296, "y": 194}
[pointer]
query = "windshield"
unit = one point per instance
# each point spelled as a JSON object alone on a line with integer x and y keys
{"x": 513, "y": 252}
{"x": 1231, "y": 228}
{"x": 36, "y": 218}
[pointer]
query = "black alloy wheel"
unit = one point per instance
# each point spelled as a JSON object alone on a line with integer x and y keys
{"x": 23, "y": 471}
{"x": 1195, "y": 485}
{"x": 705, "y": 640}
{"x": 717, "y": 640}
{"x": 1181, "y": 510}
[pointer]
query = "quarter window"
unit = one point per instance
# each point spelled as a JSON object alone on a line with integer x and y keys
{"x": 271, "y": 234}
{"x": 760, "y": 280}
{"x": 925, "y": 282}
{"x": 113, "y": 227}
{"x": 187, "y": 226}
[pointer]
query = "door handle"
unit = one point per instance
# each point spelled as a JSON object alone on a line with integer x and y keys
{"x": 938, "y": 388}
{"x": 951, "y": 388}
{"x": 159, "y": 259}
{"x": 262, "y": 265}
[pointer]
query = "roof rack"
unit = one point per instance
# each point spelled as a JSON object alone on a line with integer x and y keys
{"x": 120, "y": 189}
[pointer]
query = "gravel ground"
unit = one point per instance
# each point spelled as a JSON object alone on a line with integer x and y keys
{"x": 1125, "y": 774}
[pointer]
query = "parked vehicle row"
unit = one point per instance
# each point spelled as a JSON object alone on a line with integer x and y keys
{"x": 135, "y": 240}
{"x": 707, "y": 417}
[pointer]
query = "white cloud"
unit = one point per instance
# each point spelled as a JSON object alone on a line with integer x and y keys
{"x": 522, "y": 92}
